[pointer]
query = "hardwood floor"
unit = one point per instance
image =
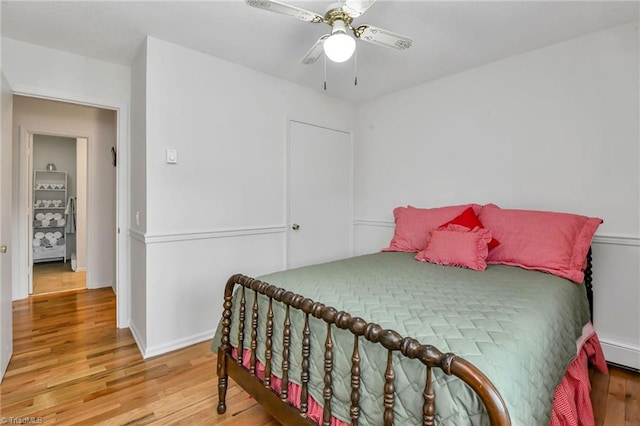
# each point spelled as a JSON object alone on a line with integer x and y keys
{"x": 72, "y": 366}
{"x": 49, "y": 277}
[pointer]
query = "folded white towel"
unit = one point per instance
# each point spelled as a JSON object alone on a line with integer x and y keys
{"x": 60, "y": 241}
{"x": 57, "y": 216}
{"x": 61, "y": 222}
{"x": 45, "y": 223}
{"x": 36, "y": 242}
{"x": 57, "y": 234}
{"x": 48, "y": 215}
{"x": 48, "y": 235}
{"x": 40, "y": 216}
{"x": 39, "y": 235}
{"x": 53, "y": 241}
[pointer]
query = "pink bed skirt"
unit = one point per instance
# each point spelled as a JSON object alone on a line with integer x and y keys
{"x": 314, "y": 409}
{"x": 571, "y": 400}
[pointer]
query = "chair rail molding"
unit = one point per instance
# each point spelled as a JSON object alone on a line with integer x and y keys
{"x": 156, "y": 238}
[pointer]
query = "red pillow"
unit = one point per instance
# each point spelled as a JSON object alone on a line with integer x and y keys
{"x": 546, "y": 241}
{"x": 469, "y": 220}
{"x": 413, "y": 225}
{"x": 456, "y": 245}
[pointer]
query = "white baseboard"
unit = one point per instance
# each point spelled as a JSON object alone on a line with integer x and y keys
{"x": 137, "y": 339}
{"x": 177, "y": 344}
{"x": 621, "y": 354}
{"x": 4, "y": 360}
{"x": 94, "y": 285}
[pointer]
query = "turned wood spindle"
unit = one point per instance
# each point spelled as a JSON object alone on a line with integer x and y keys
{"x": 354, "y": 410}
{"x": 588, "y": 282}
{"x": 429, "y": 408}
{"x": 327, "y": 392}
{"x": 242, "y": 316}
{"x": 389, "y": 390}
{"x": 268, "y": 345}
{"x": 304, "y": 378}
{"x": 286, "y": 344}
{"x": 254, "y": 334}
{"x": 225, "y": 347}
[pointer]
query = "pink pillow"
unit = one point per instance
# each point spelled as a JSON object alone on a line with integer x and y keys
{"x": 413, "y": 225}
{"x": 456, "y": 245}
{"x": 469, "y": 219}
{"x": 546, "y": 241}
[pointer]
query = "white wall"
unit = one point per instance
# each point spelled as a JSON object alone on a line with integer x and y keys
{"x": 552, "y": 129}
{"x": 138, "y": 198}
{"x": 59, "y": 150}
{"x": 35, "y": 69}
{"x": 221, "y": 209}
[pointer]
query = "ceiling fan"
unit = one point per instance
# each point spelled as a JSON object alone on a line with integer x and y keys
{"x": 338, "y": 45}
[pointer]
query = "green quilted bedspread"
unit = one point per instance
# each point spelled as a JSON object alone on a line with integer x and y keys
{"x": 518, "y": 326}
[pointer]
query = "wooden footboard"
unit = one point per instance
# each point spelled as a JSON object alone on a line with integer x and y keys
{"x": 277, "y": 405}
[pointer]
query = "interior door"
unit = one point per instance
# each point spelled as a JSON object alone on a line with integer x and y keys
{"x": 26, "y": 139}
{"x": 6, "y": 252}
{"x": 320, "y": 194}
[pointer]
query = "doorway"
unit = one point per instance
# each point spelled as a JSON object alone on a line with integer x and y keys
{"x": 58, "y": 234}
{"x": 37, "y": 117}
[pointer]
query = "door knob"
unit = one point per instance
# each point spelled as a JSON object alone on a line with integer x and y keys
{"x": 295, "y": 226}
{"x": 3, "y": 249}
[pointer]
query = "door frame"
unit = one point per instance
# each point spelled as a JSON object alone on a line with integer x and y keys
{"x": 27, "y": 170}
{"x": 122, "y": 281}
{"x": 26, "y": 191}
{"x": 287, "y": 180}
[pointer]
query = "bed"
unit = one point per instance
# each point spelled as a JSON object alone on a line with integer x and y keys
{"x": 407, "y": 335}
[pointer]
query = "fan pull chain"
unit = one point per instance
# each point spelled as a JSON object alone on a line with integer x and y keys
{"x": 325, "y": 72}
{"x": 355, "y": 67}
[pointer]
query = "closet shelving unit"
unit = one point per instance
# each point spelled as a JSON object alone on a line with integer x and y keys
{"x": 49, "y": 203}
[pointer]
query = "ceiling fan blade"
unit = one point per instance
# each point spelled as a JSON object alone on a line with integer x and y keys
{"x": 286, "y": 9}
{"x": 315, "y": 52}
{"x": 356, "y": 8}
{"x": 382, "y": 37}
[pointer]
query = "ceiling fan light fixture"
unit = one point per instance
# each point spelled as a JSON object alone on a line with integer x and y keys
{"x": 340, "y": 46}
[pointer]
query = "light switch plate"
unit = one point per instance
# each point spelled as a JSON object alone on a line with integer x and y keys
{"x": 172, "y": 156}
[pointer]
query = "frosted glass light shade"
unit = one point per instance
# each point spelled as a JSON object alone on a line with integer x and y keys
{"x": 339, "y": 47}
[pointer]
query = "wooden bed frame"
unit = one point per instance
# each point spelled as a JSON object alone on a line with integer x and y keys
{"x": 276, "y": 403}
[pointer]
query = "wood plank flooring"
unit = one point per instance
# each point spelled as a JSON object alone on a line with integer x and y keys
{"x": 49, "y": 277}
{"x": 72, "y": 366}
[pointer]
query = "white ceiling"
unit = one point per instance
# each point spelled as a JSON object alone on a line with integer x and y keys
{"x": 448, "y": 36}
